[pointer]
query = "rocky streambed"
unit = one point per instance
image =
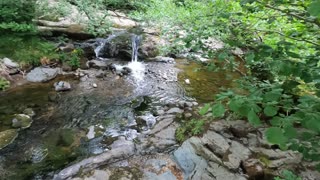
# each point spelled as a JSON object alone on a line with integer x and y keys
{"x": 114, "y": 120}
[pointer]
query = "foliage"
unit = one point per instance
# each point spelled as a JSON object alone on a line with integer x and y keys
{"x": 52, "y": 11}
{"x": 281, "y": 41}
{"x": 190, "y": 128}
{"x": 16, "y": 16}
{"x": 287, "y": 175}
{"x": 72, "y": 58}
{"x": 4, "y": 84}
{"x": 26, "y": 50}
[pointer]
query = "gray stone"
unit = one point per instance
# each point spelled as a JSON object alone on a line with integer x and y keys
{"x": 217, "y": 143}
{"x": 175, "y": 110}
{"x": 187, "y": 115}
{"x": 164, "y": 176}
{"x": 41, "y": 74}
{"x": 119, "y": 152}
{"x": 10, "y": 64}
{"x": 237, "y": 154}
{"x": 29, "y": 112}
{"x": 157, "y": 164}
{"x": 21, "y": 121}
{"x": 62, "y": 86}
{"x": 164, "y": 59}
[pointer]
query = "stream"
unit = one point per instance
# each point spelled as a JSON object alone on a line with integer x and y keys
{"x": 72, "y": 125}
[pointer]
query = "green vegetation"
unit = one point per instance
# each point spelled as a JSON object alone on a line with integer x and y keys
{"x": 4, "y": 84}
{"x": 288, "y": 175}
{"x": 72, "y": 58}
{"x": 280, "y": 41}
{"x": 27, "y": 50}
{"x": 190, "y": 128}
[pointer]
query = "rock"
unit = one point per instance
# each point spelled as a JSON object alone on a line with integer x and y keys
{"x": 69, "y": 47}
{"x": 240, "y": 128}
{"x": 119, "y": 152}
{"x": 164, "y": 59}
{"x": 38, "y": 154}
{"x": 29, "y": 112}
{"x": 149, "y": 119}
{"x": 187, "y": 81}
{"x": 253, "y": 168}
{"x": 101, "y": 74}
{"x": 21, "y": 121}
{"x": 97, "y": 64}
{"x": 10, "y": 64}
{"x": 157, "y": 164}
{"x": 91, "y": 133}
{"x": 187, "y": 115}
{"x": 62, "y": 86}
{"x": 94, "y": 85}
{"x": 7, "y": 137}
{"x": 235, "y": 155}
{"x": 188, "y": 104}
{"x": 163, "y": 176}
{"x": 310, "y": 175}
{"x": 66, "y": 67}
{"x": 217, "y": 143}
{"x": 41, "y": 74}
{"x": 120, "y": 20}
{"x": 175, "y": 110}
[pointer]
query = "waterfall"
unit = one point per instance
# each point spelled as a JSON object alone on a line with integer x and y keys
{"x": 135, "y": 47}
{"x": 103, "y": 42}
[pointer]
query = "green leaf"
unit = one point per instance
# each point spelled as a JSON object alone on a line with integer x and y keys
{"x": 253, "y": 118}
{"x": 273, "y": 95}
{"x": 270, "y": 110}
{"x": 276, "y": 121}
{"x": 218, "y": 110}
{"x": 290, "y": 132}
{"x": 314, "y": 8}
{"x": 235, "y": 104}
{"x": 204, "y": 110}
{"x": 275, "y": 135}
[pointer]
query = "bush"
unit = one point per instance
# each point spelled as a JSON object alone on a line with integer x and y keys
{"x": 16, "y": 16}
{"x": 26, "y": 50}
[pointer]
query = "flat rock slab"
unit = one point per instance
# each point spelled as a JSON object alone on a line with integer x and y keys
{"x": 7, "y": 137}
{"x": 41, "y": 74}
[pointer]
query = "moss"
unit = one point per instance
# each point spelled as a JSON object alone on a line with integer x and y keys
{"x": 66, "y": 137}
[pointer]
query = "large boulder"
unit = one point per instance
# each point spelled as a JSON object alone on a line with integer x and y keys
{"x": 42, "y": 74}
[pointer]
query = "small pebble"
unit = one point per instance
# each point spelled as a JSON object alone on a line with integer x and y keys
{"x": 94, "y": 85}
{"x": 187, "y": 81}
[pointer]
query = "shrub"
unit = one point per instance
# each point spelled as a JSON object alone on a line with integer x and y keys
{"x": 4, "y": 84}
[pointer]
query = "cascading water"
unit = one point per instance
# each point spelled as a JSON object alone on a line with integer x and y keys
{"x": 136, "y": 67}
{"x": 103, "y": 42}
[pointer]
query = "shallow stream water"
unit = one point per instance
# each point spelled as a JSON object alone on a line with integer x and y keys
{"x": 59, "y": 133}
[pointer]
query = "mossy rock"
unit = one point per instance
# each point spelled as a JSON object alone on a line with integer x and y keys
{"x": 7, "y": 137}
{"x": 21, "y": 121}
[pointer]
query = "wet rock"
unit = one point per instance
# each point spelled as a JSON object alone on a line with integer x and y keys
{"x": 91, "y": 133}
{"x": 7, "y": 137}
{"x": 10, "y": 64}
{"x": 116, "y": 154}
{"x": 149, "y": 119}
{"x": 253, "y": 168}
{"x": 41, "y": 74}
{"x": 97, "y": 64}
{"x": 21, "y": 121}
{"x": 164, "y": 59}
{"x": 175, "y": 110}
{"x": 29, "y": 112}
{"x": 62, "y": 86}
